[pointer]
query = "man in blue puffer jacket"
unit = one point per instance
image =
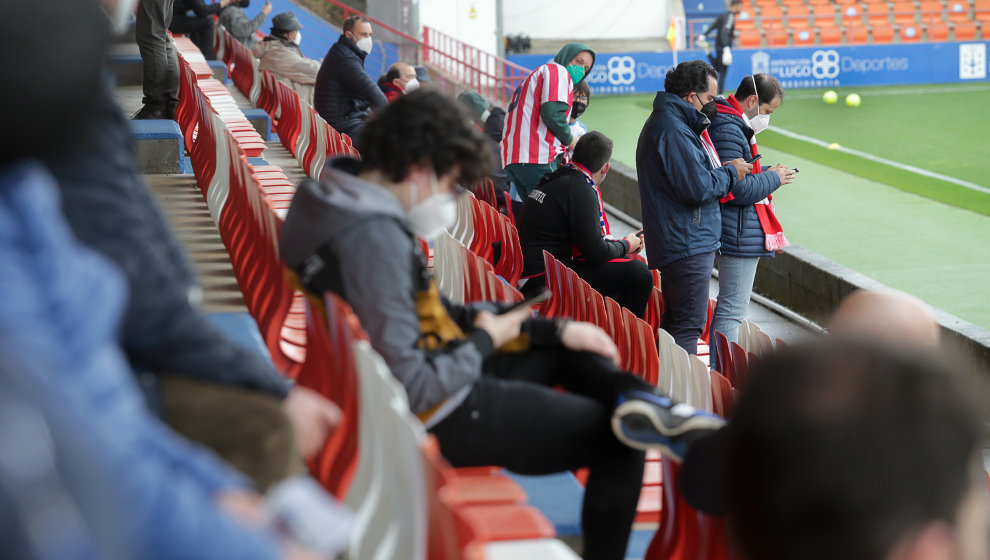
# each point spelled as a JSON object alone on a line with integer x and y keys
{"x": 680, "y": 183}
{"x": 749, "y": 229}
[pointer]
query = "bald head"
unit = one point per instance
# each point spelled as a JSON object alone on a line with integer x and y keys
{"x": 887, "y": 315}
{"x": 400, "y": 74}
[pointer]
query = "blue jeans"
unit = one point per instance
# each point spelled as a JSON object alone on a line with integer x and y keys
{"x": 735, "y": 285}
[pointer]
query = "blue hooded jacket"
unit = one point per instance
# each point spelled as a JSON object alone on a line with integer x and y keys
{"x": 678, "y": 188}
{"x": 742, "y": 234}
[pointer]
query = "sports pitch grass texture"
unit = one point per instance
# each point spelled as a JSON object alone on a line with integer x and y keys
{"x": 864, "y": 214}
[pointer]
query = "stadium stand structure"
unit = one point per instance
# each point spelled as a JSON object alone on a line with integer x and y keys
{"x": 799, "y": 23}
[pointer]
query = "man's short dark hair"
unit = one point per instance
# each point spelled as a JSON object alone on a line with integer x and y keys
{"x": 768, "y": 87}
{"x": 393, "y": 72}
{"x": 428, "y": 128}
{"x": 688, "y": 76}
{"x": 350, "y": 22}
{"x": 842, "y": 448}
{"x": 593, "y": 150}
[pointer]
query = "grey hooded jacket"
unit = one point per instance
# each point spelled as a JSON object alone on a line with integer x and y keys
{"x": 351, "y": 237}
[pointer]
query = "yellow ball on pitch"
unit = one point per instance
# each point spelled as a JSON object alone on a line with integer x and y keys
{"x": 830, "y": 97}
{"x": 853, "y": 100}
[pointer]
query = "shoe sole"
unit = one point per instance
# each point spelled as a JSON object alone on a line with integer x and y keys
{"x": 646, "y": 413}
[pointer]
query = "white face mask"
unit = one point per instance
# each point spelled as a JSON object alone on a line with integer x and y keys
{"x": 428, "y": 218}
{"x": 298, "y": 39}
{"x": 412, "y": 85}
{"x": 365, "y": 44}
{"x": 760, "y": 123}
{"x": 120, "y": 15}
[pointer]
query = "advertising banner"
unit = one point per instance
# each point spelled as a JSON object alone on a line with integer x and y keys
{"x": 796, "y": 68}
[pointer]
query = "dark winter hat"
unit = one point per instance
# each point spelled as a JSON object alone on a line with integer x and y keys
{"x": 421, "y": 74}
{"x": 286, "y": 21}
{"x": 474, "y": 103}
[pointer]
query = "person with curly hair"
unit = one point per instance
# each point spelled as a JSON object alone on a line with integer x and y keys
{"x": 355, "y": 233}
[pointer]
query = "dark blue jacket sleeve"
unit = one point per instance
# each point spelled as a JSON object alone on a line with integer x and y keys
{"x": 693, "y": 181}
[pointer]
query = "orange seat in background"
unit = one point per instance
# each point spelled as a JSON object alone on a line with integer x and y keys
{"x": 883, "y": 34}
{"x": 857, "y": 34}
{"x": 965, "y": 31}
{"x": 750, "y": 39}
{"x": 938, "y": 32}
{"x": 830, "y": 35}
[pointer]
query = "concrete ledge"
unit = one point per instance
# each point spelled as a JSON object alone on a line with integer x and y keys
{"x": 812, "y": 285}
{"x": 158, "y": 146}
{"x": 127, "y": 69}
{"x": 806, "y": 282}
{"x": 261, "y": 121}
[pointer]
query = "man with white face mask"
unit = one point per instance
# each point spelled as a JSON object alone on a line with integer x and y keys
{"x": 355, "y": 233}
{"x": 280, "y": 54}
{"x": 345, "y": 94}
{"x": 749, "y": 228}
{"x": 399, "y": 80}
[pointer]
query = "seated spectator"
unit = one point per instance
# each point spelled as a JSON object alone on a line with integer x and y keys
{"x": 851, "y": 449}
{"x": 565, "y": 215}
{"x": 355, "y": 232}
{"x": 489, "y": 120}
{"x": 60, "y": 319}
{"x": 236, "y": 22}
{"x": 398, "y": 81}
{"x": 195, "y": 19}
{"x": 279, "y": 53}
{"x": 345, "y": 94}
{"x": 582, "y": 96}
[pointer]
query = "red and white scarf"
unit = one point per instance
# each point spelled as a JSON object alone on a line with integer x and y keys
{"x": 774, "y": 239}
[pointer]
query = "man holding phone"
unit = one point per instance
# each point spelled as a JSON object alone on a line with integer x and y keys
{"x": 242, "y": 28}
{"x": 750, "y": 229}
{"x": 565, "y": 215}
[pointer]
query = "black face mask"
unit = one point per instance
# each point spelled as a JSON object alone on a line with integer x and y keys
{"x": 244, "y": 3}
{"x": 577, "y": 109}
{"x": 709, "y": 110}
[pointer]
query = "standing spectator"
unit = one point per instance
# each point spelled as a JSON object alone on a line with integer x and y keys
{"x": 236, "y": 22}
{"x": 851, "y": 449}
{"x": 345, "y": 93}
{"x": 536, "y": 132}
{"x": 160, "y": 67}
{"x": 724, "y": 27}
{"x": 565, "y": 215}
{"x": 489, "y": 120}
{"x": 680, "y": 183}
{"x": 484, "y": 408}
{"x": 398, "y": 81}
{"x": 749, "y": 228}
{"x": 279, "y": 53}
{"x": 198, "y": 25}
{"x": 582, "y": 96}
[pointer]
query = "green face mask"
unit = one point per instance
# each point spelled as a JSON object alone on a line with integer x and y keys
{"x": 576, "y": 71}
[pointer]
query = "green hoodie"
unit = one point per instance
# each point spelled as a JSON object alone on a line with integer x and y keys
{"x": 555, "y": 113}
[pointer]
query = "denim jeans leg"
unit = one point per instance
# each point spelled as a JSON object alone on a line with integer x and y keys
{"x": 735, "y": 285}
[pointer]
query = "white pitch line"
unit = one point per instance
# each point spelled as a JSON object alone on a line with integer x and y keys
{"x": 871, "y": 157}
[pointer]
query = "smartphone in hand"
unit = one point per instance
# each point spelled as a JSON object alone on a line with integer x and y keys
{"x": 755, "y": 158}
{"x": 537, "y": 298}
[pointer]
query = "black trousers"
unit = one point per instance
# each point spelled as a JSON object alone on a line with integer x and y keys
{"x": 161, "y": 74}
{"x": 685, "y": 298}
{"x": 200, "y": 31}
{"x": 515, "y": 418}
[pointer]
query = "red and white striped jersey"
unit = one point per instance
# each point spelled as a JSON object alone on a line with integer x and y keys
{"x": 526, "y": 138}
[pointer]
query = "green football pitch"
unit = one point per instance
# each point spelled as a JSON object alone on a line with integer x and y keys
{"x": 897, "y": 189}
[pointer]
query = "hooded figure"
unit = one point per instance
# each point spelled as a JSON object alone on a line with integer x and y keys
{"x": 532, "y": 147}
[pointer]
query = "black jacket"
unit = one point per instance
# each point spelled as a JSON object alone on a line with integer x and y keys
{"x": 200, "y": 8}
{"x": 725, "y": 26}
{"x": 560, "y": 215}
{"x": 345, "y": 94}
